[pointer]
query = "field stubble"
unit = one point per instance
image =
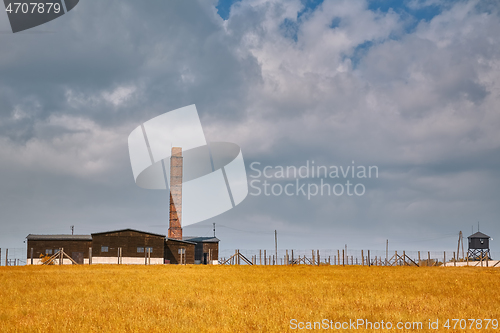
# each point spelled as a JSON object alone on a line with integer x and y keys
{"x": 112, "y": 298}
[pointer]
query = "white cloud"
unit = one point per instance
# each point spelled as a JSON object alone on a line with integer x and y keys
{"x": 120, "y": 95}
{"x": 66, "y": 145}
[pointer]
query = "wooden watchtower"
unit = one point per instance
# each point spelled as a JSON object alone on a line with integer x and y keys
{"x": 479, "y": 246}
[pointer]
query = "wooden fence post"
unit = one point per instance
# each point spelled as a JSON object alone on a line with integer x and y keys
{"x": 265, "y": 258}
{"x": 343, "y": 257}
{"x": 149, "y": 256}
{"x": 444, "y": 258}
{"x": 260, "y": 257}
{"x": 317, "y": 251}
{"x": 362, "y": 257}
{"x": 419, "y": 258}
{"x": 404, "y": 258}
{"x": 338, "y": 257}
{"x": 454, "y": 259}
{"x": 369, "y": 263}
{"x": 90, "y": 256}
{"x": 286, "y": 258}
{"x": 428, "y": 258}
{"x": 32, "y": 256}
{"x": 6, "y": 256}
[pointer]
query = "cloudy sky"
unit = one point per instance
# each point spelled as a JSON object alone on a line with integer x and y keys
{"x": 411, "y": 87}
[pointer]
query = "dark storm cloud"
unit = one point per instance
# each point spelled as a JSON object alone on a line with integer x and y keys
{"x": 167, "y": 54}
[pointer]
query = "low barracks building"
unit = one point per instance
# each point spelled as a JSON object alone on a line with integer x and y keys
{"x": 127, "y": 246}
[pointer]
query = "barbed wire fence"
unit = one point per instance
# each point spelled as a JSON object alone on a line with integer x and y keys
{"x": 343, "y": 257}
{"x": 18, "y": 257}
{"x": 12, "y": 256}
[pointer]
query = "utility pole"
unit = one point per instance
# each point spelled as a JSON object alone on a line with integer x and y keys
{"x": 386, "y": 251}
{"x": 276, "y": 243}
{"x": 460, "y": 240}
{"x": 463, "y": 256}
{"x": 214, "y": 229}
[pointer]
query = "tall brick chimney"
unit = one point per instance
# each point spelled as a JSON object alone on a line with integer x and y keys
{"x": 175, "y": 228}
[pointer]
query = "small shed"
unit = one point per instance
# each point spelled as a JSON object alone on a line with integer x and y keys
{"x": 206, "y": 249}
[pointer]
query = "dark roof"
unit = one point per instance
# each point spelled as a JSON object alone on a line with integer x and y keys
{"x": 60, "y": 237}
{"x": 178, "y": 240}
{"x": 478, "y": 235}
{"x": 128, "y": 229}
{"x": 201, "y": 239}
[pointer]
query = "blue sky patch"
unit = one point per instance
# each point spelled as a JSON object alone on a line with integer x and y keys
{"x": 224, "y": 8}
{"x": 426, "y": 13}
{"x": 290, "y": 29}
{"x": 335, "y": 23}
{"x": 359, "y": 52}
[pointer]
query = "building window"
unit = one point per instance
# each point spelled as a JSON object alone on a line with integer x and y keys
{"x": 140, "y": 250}
{"x": 150, "y": 249}
{"x": 48, "y": 251}
{"x": 104, "y": 249}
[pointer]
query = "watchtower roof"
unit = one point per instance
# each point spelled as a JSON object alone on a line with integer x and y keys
{"x": 478, "y": 235}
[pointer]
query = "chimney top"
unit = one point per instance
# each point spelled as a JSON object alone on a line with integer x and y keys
{"x": 176, "y": 151}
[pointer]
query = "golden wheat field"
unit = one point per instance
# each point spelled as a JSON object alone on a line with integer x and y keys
{"x": 112, "y": 298}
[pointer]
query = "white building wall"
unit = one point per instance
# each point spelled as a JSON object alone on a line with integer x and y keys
{"x": 125, "y": 261}
{"x": 104, "y": 260}
{"x": 491, "y": 263}
{"x": 38, "y": 261}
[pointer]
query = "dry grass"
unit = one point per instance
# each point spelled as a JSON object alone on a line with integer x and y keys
{"x": 105, "y": 298}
